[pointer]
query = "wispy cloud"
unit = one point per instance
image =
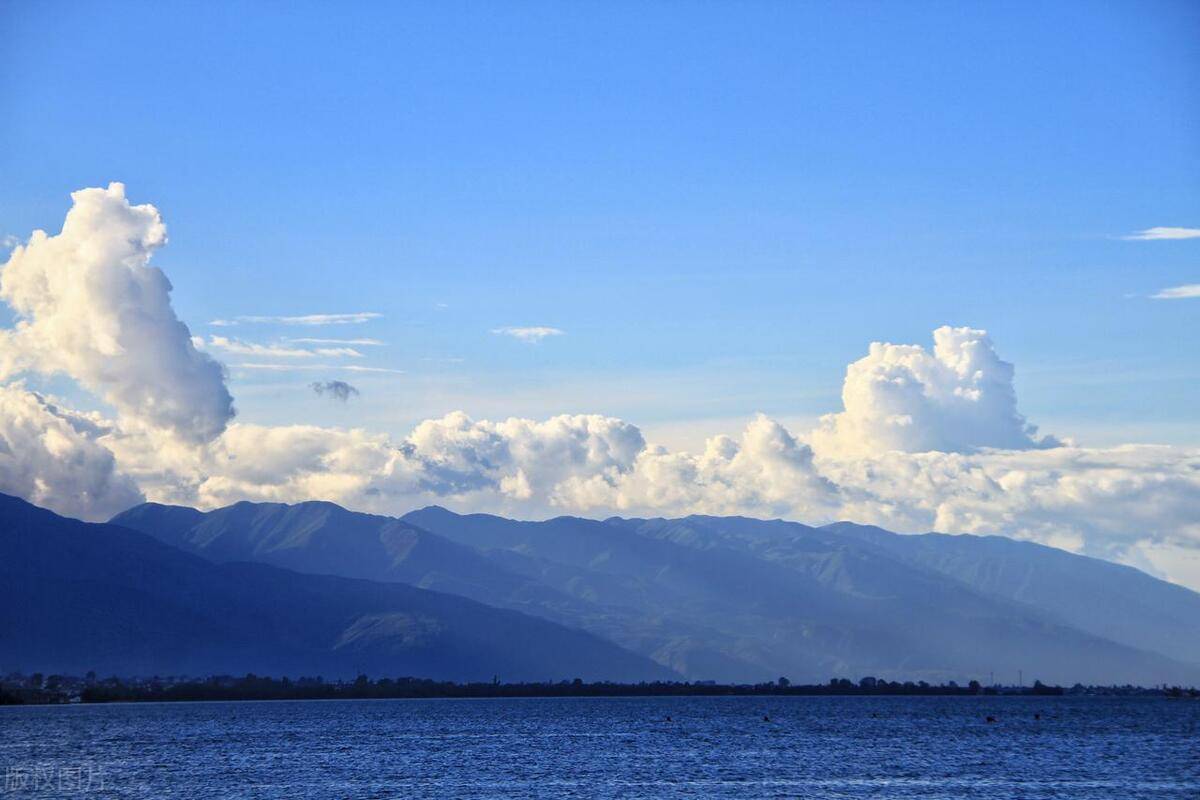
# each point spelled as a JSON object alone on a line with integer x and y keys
{"x": 350, "y": 342}
{"x": 382, "y": 370}
{"x": 279, "y": 351}
{"x": 532, "y": 334}
{"x": 311, "y": 367}
{"x": 334, "y": 390}
{"x": 306, "y": 319}
{"x": 1153, "y": 234}
{"x": 1185, "y": 292}
{"x": 9, "y": 242}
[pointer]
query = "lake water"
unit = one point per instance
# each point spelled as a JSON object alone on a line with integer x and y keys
{"x": 844, "y": 747}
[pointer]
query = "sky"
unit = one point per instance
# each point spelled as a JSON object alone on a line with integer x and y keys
{"x": 673, "y": 217}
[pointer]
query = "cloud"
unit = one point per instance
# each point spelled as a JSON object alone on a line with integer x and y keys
{"x": 53, "y": 457}
{"x": 531, "y": 335}
{"x": 1112, "y": 503}
{"x": 355, "y": 318}
{"x": 90, "y": 306}
{"x": 348, "y": 342}
{"x": 335, "y": 390}
{"x": 958, "y": 398}
{"x": 1159, "y": 233}
{"x": 278, "y": 351}
{"x": 764, "y": 472}
{"x": 1184, "y": 292}
{"x": 310, "y": 367}
{"x": 510, "y": 465}
{"x": 1123, "y": 503}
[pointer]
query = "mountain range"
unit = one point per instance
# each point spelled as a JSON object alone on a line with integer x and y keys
{"x": 739, "y": 599}
{"x": 76, "y": 597}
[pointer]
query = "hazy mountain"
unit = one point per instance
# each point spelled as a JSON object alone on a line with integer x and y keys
{"x": 733, "y": 598}
{"x": 1110, "y": 600}
{"x": 76, "y": 596}
{"x": 323, "y": 538}
{"x": 764, "y": 596}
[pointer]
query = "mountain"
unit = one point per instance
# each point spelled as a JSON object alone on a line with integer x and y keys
{"x": 323, "y": 538}
{"x": 76, "y": 596}
{"x": 728, "y": 598}
{"x": 1110, "y": 600}
{"x": 776, "y": 596}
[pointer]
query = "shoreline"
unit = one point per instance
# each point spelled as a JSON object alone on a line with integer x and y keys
{"x": 58, "y": 690}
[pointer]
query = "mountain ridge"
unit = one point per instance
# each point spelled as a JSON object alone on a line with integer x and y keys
{"x": 735, "y": 598}
{"x": 78, "y": 596}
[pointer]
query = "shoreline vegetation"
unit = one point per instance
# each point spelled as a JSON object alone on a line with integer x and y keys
{"x": 36, "y": 689}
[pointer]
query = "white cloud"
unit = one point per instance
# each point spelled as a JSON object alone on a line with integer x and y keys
{"x": 354, "y": 318}
{"x": 1152, "y": 234}
{"x": 1124, "y": 503}
{"x": 52, "y": 457}
{"x": 379, "y": 370}
{"x": 90, "y": 306}
{"x": 264, "y": 367}
{"x": 348, "y": 342}
{"x": 531, "y": 335}
{"x": 958, "y": 398}
{"x": 279, "y": 351}
{"x": 1185, "y": 292}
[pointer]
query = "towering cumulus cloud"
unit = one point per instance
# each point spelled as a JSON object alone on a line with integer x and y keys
{"x": 91, "y": 306}
{"x": 959, "y": 398}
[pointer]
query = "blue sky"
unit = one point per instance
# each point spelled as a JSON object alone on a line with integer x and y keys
{"x": 720, "y": 204}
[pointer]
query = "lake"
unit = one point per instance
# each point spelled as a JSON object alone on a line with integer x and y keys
{"x": 810, "y": 747}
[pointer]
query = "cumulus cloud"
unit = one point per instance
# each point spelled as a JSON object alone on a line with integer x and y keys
{"x": 54, "y": 458}
{"x": 1125, "y": 503}
{"x": 764, "y": 472}
{"x": 353, "y": 318}
{"x": 335, "y": 390}
{"x": 530, "y": 335}
{"x": 1185, "y": 292}
{"x": 566, "y": 464}
{"x": 90, "y": 306}
{"x": 1151, "y": 234}
{"x": 957, "y": 398}
{"x": 1112, "y": 503}
{"x": 504, "y": 466}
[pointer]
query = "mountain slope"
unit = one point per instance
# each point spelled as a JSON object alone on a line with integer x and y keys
{"x": 773, "y": 595}
{"x": 1110, "y": 600}
{"x": 726, "y": 598}
{"x": 323, "y": 538}
{"x": 76, "y": 596}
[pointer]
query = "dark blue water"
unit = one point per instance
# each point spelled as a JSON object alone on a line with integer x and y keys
{"x": 850, "y": 747}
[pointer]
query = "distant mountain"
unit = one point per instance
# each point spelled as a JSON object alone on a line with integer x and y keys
{"x": 734, "y": 598}
{"x": 1109, "y": 600}
{"x": 76, "y": 596}
{"x": 326, "y": 539}
{"x": 761, "y": 596}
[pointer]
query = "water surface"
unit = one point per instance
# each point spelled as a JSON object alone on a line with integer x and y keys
{"x": 810, "y": 747}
